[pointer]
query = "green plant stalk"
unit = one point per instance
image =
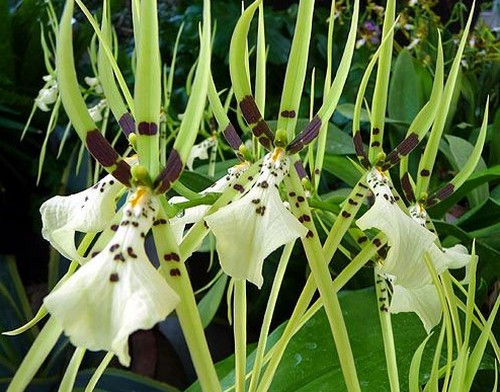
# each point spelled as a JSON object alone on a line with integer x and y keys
{"x": 268, "y": 315}
{"x": 451, "y": 299}
{"x": 186, "y": 310}
{"x": 320, "y": 151}
{"x": 379, "y": 103}
{"x": 147, "y": 92}
{"x": 240, "y": 333}
{"x": 447, "y": 319}
{"x": 69, "y": 377}
{"x": 98, "y": 372}
{"x": 296, "y": 69}
{"x": 387, "y": 332}
{"x": 36, "y": 355}
{"x": 321, "y": 273}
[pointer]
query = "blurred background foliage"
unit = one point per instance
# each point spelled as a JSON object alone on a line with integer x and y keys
{"x": 474, "y": 212}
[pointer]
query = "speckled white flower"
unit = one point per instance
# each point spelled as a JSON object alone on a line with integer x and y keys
{"x": 96, "y": 110}
{"x": 118, "y": 291}
{"x": 94, "y": 84}
{"x": 195, "y": 214}
{"x": 48, "y": 94}
{"x": 200, "y": 151}
{"x": 90, "y": 210}
{"x": 255, "y": 225}
{"x": 409, "y": 244}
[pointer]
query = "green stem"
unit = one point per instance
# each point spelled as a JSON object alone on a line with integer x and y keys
{"x": 268, "y": 315}
{"x": 186, "y": 310}
{"x": 240, "y": 334}
{"x": 387, "y": 332}
{"x": 321, "y": 273}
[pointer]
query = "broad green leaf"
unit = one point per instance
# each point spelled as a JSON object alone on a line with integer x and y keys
{"x": 342, "y": 168}
{"x": 210, "y": 302}
{"x": 121, "y": 380}
{"x": 461, "y": 149}
{"x": 405, "y": 91}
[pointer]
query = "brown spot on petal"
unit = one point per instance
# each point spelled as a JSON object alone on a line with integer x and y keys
{"x": 175, "y": 272}
{"x": 114, "y": 277}
{"x": 288, "y": 113}
{"x": 127, "y": 123}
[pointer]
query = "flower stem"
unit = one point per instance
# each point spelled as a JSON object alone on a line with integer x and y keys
{"x": 268, "y": 315}
{"x": 387, "y": 332}
{"x": 186, "y": 310}
{"x": 240, "y": 333}
{"x": 321, "y": 273}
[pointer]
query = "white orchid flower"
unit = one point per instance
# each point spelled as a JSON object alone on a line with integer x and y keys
{"x": 94, "y": 84}
{"x": 118, "y": 291}
{"x": 48, "y": 94}
{"x": 409, "y": 244}
{"x": 250, "y": 228}
{"x": 200, "y": 151}
{"x": 90, "y": 210}
{"x": 195, "y": 214}
{"x": 96, "y": 110}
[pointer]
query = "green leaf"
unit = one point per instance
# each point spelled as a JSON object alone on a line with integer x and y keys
{"x": 210, "y": 302}
{"x": 405, "y": 91}
{"x": 342, "y": 168}
{"x": 460, "y": 150}
{"x": 121, "y": 380}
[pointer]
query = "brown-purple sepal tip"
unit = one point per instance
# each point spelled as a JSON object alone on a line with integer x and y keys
{"x": 100, "y": 148}
{"x": 403, "y": 149}
{"x": 106, "y": 155}
{"x": 250, "y": 110}
{"x": 306, "y": 136}
{"x": 148, "y": 129}
{"x": 441, "y": 194}
{"x": 122, "y": 172}
{"x": 170, "y": 174}
{"x": 127, "y": 124}
{"x": 360, "y": 150}
{"x": 299, "y": 167}
{"x": 232, "y": 137}
{"x": 407, "y": 189}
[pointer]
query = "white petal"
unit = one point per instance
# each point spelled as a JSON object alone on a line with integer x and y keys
{"x": 423, "y": 301}
{"x": 408, "y": 241}
{"x": 451, "y": 258}
{"x": 200, "y": 151}
{"x": 87, "y": 211}
{"x": 249, "y": 229}
{"x": 117, "y": 292}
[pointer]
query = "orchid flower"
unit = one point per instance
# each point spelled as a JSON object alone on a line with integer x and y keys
{"x": 196, "y": 213}
{"x": 410, "y": 243}
{"x": 250, "y": 228}
{"x": 96, "y": 110}
{"x": 118, "y": 291}
{"x": 48, "y": 94}
{"x": 200, "y": 151}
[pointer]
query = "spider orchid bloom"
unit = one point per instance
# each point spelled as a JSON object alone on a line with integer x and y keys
{"x": 118, "y": 291}
{"x": 255, "y": 225}
{"x": 200, "y": 151}
{"x": 96, "y": 110}
{"x": 90, "y": 210}
{"x": 48, "y": 94}
{"x": 94, "y": 84}
{"x": 410, "y": 243}
{"x": 196, "y": 213}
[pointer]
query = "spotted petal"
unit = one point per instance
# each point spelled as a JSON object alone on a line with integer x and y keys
{"x": 424, "y": 301}
{"x": 118, "y": 291}
{"x": 90, "y": 210}
{"x": 255, "y": 225}
{"x": 408, "y": 241}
